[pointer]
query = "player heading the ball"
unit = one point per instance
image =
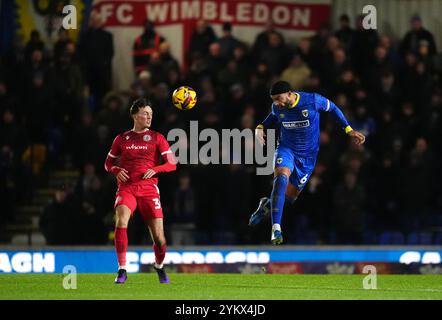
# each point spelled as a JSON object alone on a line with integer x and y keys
{"x": 297, "y": 115}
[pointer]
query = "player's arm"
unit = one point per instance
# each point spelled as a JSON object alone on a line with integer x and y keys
{"x": 168, "y": 159}
{"x": 324, "y": 104}
{"x": 270, "y": 121}
{"x": 110, "y": 165}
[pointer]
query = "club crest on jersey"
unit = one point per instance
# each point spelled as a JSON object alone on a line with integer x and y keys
{"x": 282, "y": 115}
{"x": 279, "y": 160}
{"x": 147, "y": 138}
{"x": 305, "y": 113}
{"x": 127, "y": 137}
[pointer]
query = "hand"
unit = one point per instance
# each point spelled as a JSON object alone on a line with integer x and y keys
{"x": 357, "y": 137}
{"x": 149, "y": 174}
{"x": 259, "y": 134}
{"x": 122, "y": 176}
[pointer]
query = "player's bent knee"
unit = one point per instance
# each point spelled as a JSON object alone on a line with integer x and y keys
{"x": 121, "y": 223}
{"x": 282, "y": 171}
{"x": 159, "y": 238}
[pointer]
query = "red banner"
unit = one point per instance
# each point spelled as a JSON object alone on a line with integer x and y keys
{"x": 299, "y": 15}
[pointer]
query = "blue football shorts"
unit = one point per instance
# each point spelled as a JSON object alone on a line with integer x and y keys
{"x": 301, "y": 168}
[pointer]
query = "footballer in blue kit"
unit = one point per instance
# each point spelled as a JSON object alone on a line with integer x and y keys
{"x": 297, "y": 115}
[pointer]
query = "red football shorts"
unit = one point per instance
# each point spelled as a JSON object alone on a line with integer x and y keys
{"x": 145, "y": 197}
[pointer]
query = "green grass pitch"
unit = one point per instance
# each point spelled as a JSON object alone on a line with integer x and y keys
{"x": 220, "y": 286}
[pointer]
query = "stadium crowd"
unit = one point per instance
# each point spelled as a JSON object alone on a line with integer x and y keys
{"x": 59, "y": 111}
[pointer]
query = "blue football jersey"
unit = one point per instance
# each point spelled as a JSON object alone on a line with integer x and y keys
{"x": 299, "y": 124}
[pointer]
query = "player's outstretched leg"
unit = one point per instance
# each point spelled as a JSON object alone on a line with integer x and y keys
{"x": 260, "y": 213}
{"x": 277, "y": 205}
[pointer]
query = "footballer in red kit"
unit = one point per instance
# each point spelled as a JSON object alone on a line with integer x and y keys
{"x": 136, "y": 158}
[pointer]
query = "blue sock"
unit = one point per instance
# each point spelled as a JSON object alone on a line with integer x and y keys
{"x": 277, "y": 198}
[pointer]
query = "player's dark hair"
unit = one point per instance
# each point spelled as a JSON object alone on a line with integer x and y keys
{"x": 138, "y": 104}
{"x": 280, "y": 87}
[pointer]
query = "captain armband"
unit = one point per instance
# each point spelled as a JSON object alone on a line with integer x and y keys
{"x": 348, "y": 129}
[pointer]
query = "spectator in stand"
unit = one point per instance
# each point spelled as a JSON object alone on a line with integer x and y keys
{"x": 90, "y": 192}
{"x": 157, "y": 68}
{"x": 68, "y": 85}
{"x": 96, "y": 49}
{"x": 362, "y": 47}
{"x": 297, "y": 73}
{"x": 58, "y": 219}
{"x": 276, "y": 55}
{"x": 242, "y": 58}
{"x": 60, "y": 45}
{"x": 83, "y": 140}
{"x": 34, "y": 43}
{"x": 227, "y": 41}
{"x": 185, "y": 213}
{"x": 345, "y": 32}
{"x": 169, "y": 62}
{"x": 262, "y": 40}
{"x": 304, "y": 49}
{"x": 202, "y": 37}
{"x": 112, "y": 114}
{"x": 349, "y": 201}
{"x": 215, "y": 62}
{"x": 144, "y": 46}
{"x": 39, "y": 107}
{"x": 413, "y": 38}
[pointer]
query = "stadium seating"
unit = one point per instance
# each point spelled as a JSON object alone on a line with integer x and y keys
{"x": 369, "y": 237}
{"x": 437, "y": 238}
{"x": 391, "y": 237}
{"x": 423, "y": 238}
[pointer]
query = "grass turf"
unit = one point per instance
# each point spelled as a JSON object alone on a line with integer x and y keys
{"x": 220, "y": 286}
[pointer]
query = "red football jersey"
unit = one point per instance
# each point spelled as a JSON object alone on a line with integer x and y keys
{"x": 138, "y": 152}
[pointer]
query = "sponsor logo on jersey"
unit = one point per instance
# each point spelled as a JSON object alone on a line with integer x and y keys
{"x": 305, "y": 113}
{"x": 147, "y": 137}
{"x": 296, "y": 124}
{"x": 134, "y": 147}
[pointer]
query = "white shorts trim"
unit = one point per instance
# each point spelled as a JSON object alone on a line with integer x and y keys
{"x": 158, "y": 189}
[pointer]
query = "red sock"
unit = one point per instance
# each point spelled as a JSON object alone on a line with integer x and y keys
{"x": 121, "y": 245}
{"x": 160, "y": 253}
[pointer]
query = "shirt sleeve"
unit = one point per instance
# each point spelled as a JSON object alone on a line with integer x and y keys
{"x": 113, "y": 155}
{"x": 270, "y": 121}
{"x": 167, "y": 155}
{"x": 115, "y": 151}
{"x": 324, "y": 104}
{"x": 163, "y": 145}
